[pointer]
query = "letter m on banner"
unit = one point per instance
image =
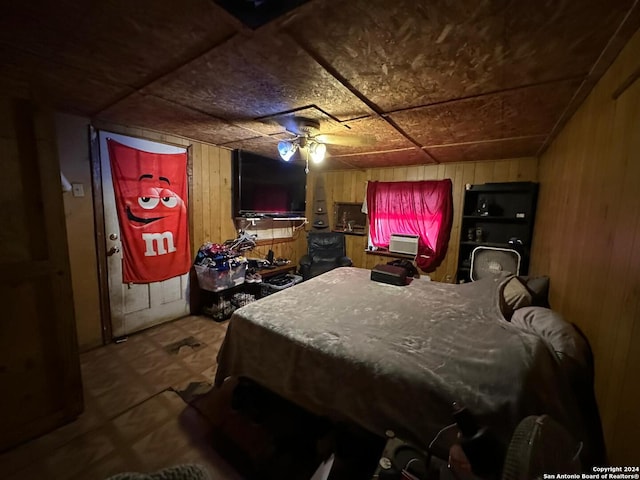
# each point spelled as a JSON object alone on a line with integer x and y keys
{"x": 155, "y": 243}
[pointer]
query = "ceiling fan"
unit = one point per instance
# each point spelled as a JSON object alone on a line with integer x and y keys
{"x": 307, "y": 135}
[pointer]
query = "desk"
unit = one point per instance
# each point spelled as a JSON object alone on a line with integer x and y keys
{"x": 272, "y": 272}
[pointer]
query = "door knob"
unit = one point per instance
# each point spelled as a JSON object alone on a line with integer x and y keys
{"x": 112, "y": 251}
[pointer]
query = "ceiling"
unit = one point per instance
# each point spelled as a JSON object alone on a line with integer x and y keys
{"x": 434, "y": 81}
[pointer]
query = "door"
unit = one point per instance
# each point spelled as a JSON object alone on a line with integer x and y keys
{"x": 135, "y": 306}
{"x": 39, "y": 364}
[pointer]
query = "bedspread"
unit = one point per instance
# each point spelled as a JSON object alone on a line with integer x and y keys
{"x": 396, "y": 357}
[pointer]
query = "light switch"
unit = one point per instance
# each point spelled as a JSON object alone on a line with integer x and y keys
{"x": 77, "y": 189}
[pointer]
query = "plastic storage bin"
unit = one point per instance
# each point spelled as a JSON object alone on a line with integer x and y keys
{"x": 217, "y": 280}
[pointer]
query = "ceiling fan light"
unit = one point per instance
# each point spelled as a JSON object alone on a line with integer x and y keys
{"x": 286, "y": 150}
{"x": 317, "y": 152}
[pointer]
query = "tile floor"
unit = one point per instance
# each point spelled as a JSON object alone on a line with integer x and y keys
{"x": 133, "y": 420}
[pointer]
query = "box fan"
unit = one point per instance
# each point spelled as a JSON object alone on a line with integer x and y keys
{"x": 490, "y": 261}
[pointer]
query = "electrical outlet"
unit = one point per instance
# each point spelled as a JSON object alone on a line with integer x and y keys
{"x": 77, "y": 189}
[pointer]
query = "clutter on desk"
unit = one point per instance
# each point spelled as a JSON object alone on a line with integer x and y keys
{"x": 219, "y": 267}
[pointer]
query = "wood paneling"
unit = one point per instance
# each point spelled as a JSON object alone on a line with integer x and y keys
{"x": 349, "y": 186}
{"x": 587, "y": 238}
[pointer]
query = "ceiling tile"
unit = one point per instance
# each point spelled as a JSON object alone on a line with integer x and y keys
{"x": 157, "y": 114}
{"x": 61, "y": 86}
{"x": 510, "y": 148}
{"x": 266, "y": 146}
{"x": 119, "y": 41}
{"x": 514, "y": 113}
{"x": 405, "y": 53}
{"x": 248, "y": 78}
{"x": 385, "y": 135}
{"x": 410, "y": 156}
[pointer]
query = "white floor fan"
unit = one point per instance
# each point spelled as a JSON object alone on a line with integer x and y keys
{"x": 491, "y": 261}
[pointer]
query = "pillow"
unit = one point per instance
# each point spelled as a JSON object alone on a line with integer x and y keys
{"x": 539, "y": 288}
{"x": 560, "y": 335}
{"x": 515, "y": 295}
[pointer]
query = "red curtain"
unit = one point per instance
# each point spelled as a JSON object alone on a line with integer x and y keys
{"x": 151, "y": 200}
{"x": 423, "y": 208}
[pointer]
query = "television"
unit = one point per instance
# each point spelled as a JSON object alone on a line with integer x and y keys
{"x": 265, "y": 186}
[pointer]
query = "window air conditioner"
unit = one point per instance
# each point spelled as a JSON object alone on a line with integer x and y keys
{"x": 400, "y": 243}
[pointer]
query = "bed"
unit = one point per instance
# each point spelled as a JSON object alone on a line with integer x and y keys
{"x": 396, "y": 357}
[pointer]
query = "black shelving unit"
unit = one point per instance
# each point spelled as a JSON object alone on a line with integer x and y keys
{"x": 493, "y": 215}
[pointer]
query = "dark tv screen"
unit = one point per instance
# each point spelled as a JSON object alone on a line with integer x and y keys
{"x": 266, "y": 186}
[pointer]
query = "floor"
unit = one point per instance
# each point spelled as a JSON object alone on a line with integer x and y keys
{"x": 136, "y": 414}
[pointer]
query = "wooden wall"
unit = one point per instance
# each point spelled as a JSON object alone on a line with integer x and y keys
{"x": 72, "y": 135}
{"x": 587, "y": 238}
{"x": 349, "y": 186}
{"x": 211, "y": 205}
{"x": 210, "y": 195}
{"x": 39, "y": 366}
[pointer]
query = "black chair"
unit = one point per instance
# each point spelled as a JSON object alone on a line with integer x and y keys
{"x": 325, "y": 251}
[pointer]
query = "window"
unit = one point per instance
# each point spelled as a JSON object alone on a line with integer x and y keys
{"x": 423, "y": 208}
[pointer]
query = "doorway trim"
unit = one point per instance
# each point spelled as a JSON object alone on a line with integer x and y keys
{"x": 101, "y": 248}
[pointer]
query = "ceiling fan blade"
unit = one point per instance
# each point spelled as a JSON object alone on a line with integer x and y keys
{"x": 298, "y": 125}
{"x": 292, "y": 127}
{"x": 346, "y": 140}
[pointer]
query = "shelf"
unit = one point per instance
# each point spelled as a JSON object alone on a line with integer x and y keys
{"x": 268, "y": 223}
{"x": 270, "y": 230}
{"x": 358, "y": 234}
{"x": 508, "y": 187}
{"x": 486, "y": 244}
{"x": 509, "y": 212}
{"x": 489, "y": 218}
